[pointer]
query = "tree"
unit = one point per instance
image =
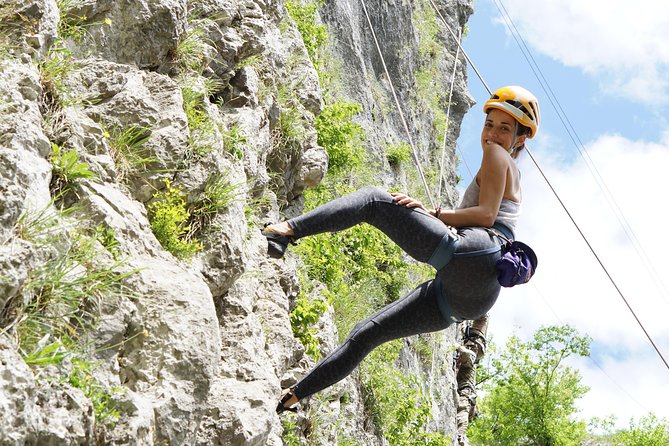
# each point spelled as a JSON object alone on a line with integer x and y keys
{"x": 650, "y": 431}
{"x": 530, "y": 394}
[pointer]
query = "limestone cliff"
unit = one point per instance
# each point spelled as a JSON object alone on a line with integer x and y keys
{"x": 108, "y": 110}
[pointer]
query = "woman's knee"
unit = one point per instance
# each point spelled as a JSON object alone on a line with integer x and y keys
{"x": 375, "y": 193}
{"x": 363, "y": 332}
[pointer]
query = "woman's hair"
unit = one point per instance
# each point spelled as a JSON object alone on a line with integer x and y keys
{"x": 522, "y": 130}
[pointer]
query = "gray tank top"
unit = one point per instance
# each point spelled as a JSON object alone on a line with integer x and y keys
{"x": 508, "y": 213}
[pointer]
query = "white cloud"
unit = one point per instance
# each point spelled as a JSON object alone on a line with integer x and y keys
{"x": 622, "y": 43}
{"x": 570, "y": 286}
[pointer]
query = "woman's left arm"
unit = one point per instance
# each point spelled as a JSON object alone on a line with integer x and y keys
{"x": 492, "y": 177}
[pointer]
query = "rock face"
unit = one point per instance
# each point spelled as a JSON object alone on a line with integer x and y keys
{"x": 190, "y": 350}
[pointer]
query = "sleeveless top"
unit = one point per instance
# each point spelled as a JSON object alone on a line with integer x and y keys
{"x": 508, "y": 213}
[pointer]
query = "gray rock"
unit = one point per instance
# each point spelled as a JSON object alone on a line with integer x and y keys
{"x": 364, "y": 80}
{"x": 107, "y": 203}
{"x": 120, "y": 96}
{"x": 41, "y": 16}
{"x": 314, "y": 166}
{"x": 142, "y": 33}
{"x": 21, "y": 126}
{"x": 24, "y": 172}
{"x": 239, "y": 415}
{"x": 24, "y": 186}
{"x": 39, "y": 413}
{"x": 16, "y": 260}
{"x": 137, "y": 426}
{"x": 176, "y": 363}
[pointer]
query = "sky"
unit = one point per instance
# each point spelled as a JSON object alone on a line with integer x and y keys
{"x": 606, "y": 62}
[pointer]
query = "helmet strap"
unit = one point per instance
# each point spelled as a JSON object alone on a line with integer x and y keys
{"x": 512, "y": 149}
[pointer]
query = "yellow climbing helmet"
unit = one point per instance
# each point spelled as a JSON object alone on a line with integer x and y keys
{"x": 519, "y": 103}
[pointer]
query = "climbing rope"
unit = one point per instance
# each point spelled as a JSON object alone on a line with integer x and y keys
{"x": 613, "y": 282}
{"x": 464, "y": 53}
{"x": 594, "y": 253}
{"x": 442, "y": 180}
{"x": 399, "y": 108}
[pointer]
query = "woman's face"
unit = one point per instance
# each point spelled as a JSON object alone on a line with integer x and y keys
{"x": 500, "y": 128}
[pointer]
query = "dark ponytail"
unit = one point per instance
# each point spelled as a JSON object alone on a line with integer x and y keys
{"x": 521, "y": 130}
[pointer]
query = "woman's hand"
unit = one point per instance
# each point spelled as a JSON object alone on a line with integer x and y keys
{"x": 405, "y": 200}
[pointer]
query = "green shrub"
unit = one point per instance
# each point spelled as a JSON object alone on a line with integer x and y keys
{"x": 68, "y": 170}
{"x": 194, "y": 47}
{"x": 194, "y": 106}
{"x": 290, "y": 133}
{"x": 54, "y": 68}
{"x": 13, "y": 24}
{"x": 60, "y": 298}
{"x": 359, "y": 254}
{"x": 341, "y": 137}
{"x": 291, "y": 436}
{"x": 201, "y": 126}
{"x": 76, "y": 373}
{"x": 70, "y": 26}
{"x": 303, "y": 319}
{"x": 169, "y": 217}
{"x": 60, "y": 303}
{"x": 50, "y": 354}
{"x": 396, "y": 401}
{"x": 107, "y": 238}
{"x": 314, "y": 35}
{"x": 105, "y": 409}
{"x": 429, "y": 75}
{"x": 40, "y": 226}
{"x": 127, "y": 150}
{"x": 217, "y": 196}
{"x": 59, "y": 60}
{"x": 428, "y": 27}
{"x": 398, "y": 154}
{"x": 361, "y": 268}
{"x": 649, "y": 430}
{"x": 235, "y": 141}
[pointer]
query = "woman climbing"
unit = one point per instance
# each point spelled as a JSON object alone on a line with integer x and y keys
{"x": 462, "y": 244}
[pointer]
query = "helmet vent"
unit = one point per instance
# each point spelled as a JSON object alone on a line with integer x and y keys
{"x": 519, "y": 106}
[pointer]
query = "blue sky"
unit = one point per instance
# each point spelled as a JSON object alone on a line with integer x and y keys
{"x": 605, "y": 61}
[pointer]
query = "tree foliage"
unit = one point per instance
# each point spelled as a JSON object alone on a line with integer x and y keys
{"x": 531, "y": 393}
{"x": 649, "y": 431}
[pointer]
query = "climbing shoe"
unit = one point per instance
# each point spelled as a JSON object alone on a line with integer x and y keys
{"x": 281, "y": 407}
{"x": 277, "y": 243}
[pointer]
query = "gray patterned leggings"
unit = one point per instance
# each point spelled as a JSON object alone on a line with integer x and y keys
{"x": 465, "y": 288}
